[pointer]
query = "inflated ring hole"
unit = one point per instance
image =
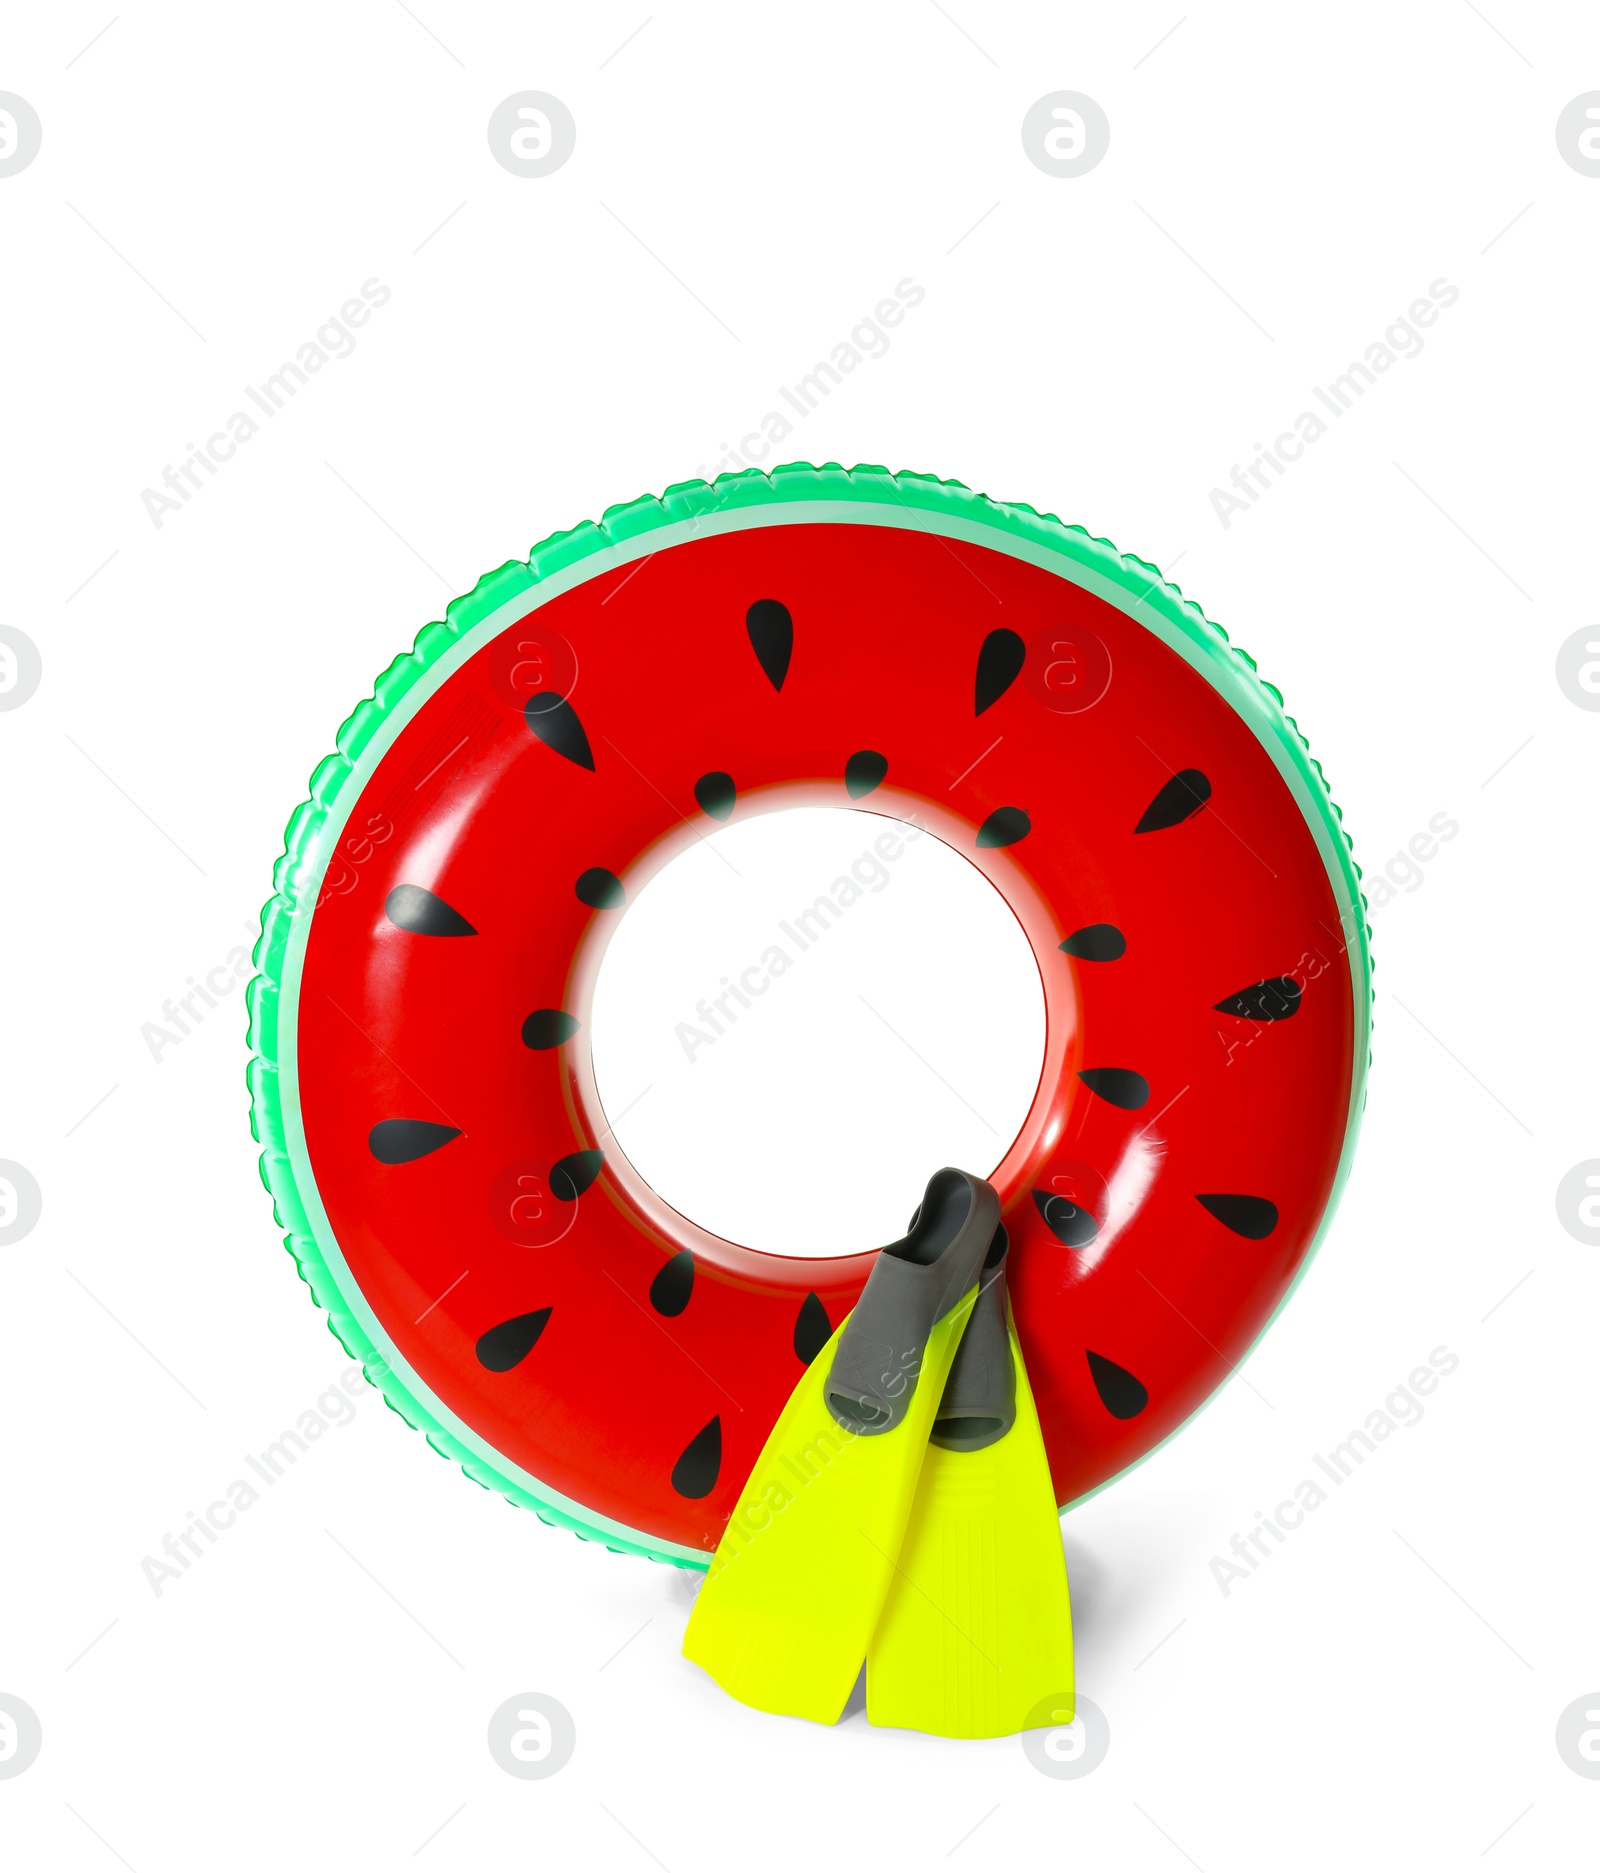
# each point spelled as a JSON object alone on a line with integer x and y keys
{"x": 804, "y": 1015}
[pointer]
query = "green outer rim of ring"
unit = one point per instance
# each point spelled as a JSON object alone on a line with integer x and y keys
{"x": 925, "y": 503}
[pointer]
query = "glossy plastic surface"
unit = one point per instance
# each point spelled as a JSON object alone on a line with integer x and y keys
{"x": 975, "y": 1635}
{"x": 422, "y": 1086}
{"x": 803, "y": 1568}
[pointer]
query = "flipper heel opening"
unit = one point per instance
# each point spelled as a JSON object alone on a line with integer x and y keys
{"x": 914, "y": 1283}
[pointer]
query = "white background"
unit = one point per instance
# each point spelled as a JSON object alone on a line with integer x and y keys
{"x": 1281, "y": 184}
{"x": 901, "y": 1031}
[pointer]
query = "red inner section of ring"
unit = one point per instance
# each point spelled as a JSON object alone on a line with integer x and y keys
{"x": 887, "y": 629}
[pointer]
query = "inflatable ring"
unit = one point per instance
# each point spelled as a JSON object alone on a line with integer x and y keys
{"x": 421, "y": 1079}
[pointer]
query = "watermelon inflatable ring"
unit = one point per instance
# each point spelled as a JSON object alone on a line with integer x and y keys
{"x": 421, "y": 1081}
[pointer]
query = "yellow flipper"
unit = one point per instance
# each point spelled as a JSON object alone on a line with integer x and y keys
{"x": 798, "y": 1581}
{"x": 976, "y": 1630}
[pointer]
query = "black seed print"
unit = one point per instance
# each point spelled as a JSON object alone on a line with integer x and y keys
{"x": 1120, "y": 1392}
{"x": 1118, "y": 1086}
{"x": 674, "y": 1283}
{"x": 572, "y": 1175}
{"x": 1182, "y": 796}
{"x": 507, "y": 1345}
{"x": 812, "y": 1329}
{"x": 554, "y": 720}
{"x": 715, "y": 794}
{"x": 863, "y": 771}
{"x": 1096, "y": 943}
{"x": 1275, "y": 999}
{"x": 549, "y": 1027}
{"x": 1000, "y": 659}
{"x": 402, "y": 1141}
{"x": 409, "y": 907}
{"x": 1004, "y": 826}
{"x": 600, "y": 889}
{"x": 771, "y": 632}
{"x": 1251, "y": 1217}
{"x": 695, "y": 1473}
{"x": 1067, "y": 1221}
